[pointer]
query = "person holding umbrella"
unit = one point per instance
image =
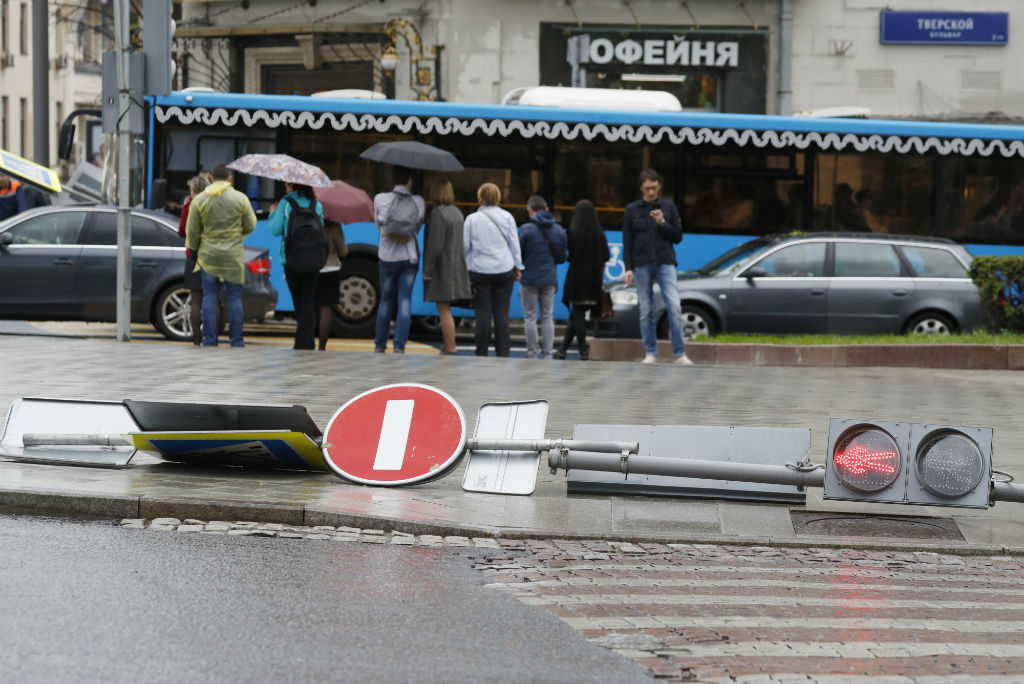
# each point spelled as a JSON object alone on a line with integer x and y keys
{"x": 342, "y": 203}
{"x": 301, "y": 283}
{"x": 399, "y": 215}
{"x": 311, "y": 251}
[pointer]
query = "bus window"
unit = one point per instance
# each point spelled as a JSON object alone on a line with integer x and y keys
{"x": 985, "y": 202}
{"x": 742, "y": 204}
{"x": 608, "y": 174}
{"x": 874, "y": 192}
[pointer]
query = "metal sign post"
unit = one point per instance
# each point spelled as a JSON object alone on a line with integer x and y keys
{"x": 124, "y": 235}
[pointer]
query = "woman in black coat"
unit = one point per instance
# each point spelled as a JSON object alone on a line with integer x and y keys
{"x": 584, "y": 284}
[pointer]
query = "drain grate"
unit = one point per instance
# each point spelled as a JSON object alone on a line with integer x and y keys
{"x": 858, "y": 525}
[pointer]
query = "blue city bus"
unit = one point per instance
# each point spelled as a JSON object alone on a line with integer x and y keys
{"x": 733, "y": 176}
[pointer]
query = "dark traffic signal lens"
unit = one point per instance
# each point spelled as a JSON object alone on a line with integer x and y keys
{"x": 949, "y": 464}
{"x": 867, "y": 459}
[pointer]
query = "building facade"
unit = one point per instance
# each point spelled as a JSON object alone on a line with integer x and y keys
{"x": 760, "y": 56}
{"x": 78, "y": 34}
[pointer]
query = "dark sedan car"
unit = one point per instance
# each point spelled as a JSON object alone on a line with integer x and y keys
{"x": 60, "y": 263}
{"x": 840, "y": 283}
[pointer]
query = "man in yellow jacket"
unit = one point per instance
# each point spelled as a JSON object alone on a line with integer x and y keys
{"x": 219, "y": 218}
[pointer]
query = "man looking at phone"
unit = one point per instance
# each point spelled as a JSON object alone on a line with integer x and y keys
{"x": 650, "y": 228}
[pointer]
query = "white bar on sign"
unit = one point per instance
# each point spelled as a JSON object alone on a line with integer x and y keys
{"x": 394, "y": 435}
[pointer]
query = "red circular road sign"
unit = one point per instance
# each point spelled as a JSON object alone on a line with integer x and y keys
{"x": 395, "y": 435}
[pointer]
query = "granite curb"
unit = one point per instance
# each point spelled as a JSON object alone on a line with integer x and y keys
{"x": 961, "y": 356}
{"x": 101, "y": 507}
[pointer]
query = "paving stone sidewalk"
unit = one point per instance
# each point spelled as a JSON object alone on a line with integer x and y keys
{"x": 578, "y": 393}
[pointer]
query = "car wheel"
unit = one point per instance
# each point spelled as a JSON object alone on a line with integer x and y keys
{"x": 930, "y": 323}
{"x": 696, "y": 323}
{"x": 355, "y": 314}
{"x": 171, "y": 313}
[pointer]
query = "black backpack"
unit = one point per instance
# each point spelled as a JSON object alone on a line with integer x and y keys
{"x": 305, "y": 242}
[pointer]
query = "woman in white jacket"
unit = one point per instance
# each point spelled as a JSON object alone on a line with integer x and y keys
{"x": 495, "y": 263}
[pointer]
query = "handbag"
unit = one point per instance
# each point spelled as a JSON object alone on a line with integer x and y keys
{"x": 603, "y": 309}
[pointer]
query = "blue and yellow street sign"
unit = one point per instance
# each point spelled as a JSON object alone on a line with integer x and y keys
{"x": 259, "y": 448}
{"x": 29, "y": 171}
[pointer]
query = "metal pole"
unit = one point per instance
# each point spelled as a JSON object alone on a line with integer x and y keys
{"x": 711, "y": 470}
{"x": 40, "y": 84}
{"x": 545, "y": 444}
{"x": 34, "y": 439}
{"x": 124, "y": 235}
{"x": 1004, "y": 491}
{"x": 785, "y": 102}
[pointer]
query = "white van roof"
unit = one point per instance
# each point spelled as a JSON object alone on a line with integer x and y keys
{"x": 847, "y": 112}
{"x": 594, "y": 98}
{"x": 354, "y": 93}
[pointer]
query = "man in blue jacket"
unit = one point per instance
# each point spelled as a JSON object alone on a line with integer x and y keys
{"x": 650, "y": 228}
{"x": 543, "y": 244}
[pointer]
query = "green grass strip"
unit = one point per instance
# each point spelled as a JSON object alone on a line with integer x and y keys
{"x": 976, "y": 337}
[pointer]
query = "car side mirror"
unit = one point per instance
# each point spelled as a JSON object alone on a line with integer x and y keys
{"x": 755, "y": 272}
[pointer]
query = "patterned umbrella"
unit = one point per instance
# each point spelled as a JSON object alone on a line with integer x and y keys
{"x": 283, "y": 168}
{"x": 345, "y": 203}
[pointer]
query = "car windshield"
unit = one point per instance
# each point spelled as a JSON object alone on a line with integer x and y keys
{"x": 726, "y": 262}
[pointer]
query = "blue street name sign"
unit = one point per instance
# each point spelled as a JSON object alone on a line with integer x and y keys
{"x": 944, "y": 28}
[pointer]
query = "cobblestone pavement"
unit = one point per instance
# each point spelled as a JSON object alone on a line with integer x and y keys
{"x": 743, "y": 614}
{"x": 754, "y": 614}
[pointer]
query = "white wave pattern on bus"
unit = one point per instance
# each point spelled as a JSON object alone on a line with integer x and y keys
{"x": 571, "y": 131}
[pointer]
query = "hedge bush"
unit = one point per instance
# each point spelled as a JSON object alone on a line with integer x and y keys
{"x": 1000, "y": 281}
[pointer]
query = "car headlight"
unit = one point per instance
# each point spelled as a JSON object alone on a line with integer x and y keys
{"x": 624, "y": 297}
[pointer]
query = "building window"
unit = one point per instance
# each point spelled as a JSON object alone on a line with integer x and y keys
{"x": 4, "y": 116}
{"x": 24, "y": 28}
{"x": 5, "y": 11}
{"x": 23, "y": 130}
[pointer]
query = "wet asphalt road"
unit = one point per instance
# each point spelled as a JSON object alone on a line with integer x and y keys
{"x": 89, "y": 601}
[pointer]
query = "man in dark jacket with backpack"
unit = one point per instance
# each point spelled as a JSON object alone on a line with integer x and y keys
{"x": 543, "y": 245}
{"x": 399, "y": 216}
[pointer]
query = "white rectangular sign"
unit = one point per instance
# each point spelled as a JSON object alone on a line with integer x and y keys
{"x": 394, "y": 434}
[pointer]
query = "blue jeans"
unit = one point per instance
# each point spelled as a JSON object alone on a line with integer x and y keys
{"x": 396, "y": 281}
{"x": 665, "y": 275}
{"x": 211, "y": 291}
{"x": 545, "y": 295}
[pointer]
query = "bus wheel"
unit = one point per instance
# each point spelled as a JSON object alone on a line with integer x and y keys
{"x": 355, "y": 314}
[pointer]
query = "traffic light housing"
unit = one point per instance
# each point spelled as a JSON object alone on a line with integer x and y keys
{"x": 157, "y": 36}
{"x": 909, "y": 463}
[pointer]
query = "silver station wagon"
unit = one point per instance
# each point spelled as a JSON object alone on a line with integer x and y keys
{"x": 840, "y": 283}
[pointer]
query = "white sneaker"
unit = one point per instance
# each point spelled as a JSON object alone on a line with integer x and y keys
{"x": 650, "y": 358}
{"x": 683, "y": 360}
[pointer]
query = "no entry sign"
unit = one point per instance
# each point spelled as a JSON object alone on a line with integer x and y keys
{"x": 395, "y": 435}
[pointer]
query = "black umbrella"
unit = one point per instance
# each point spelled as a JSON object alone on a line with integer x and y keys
{"x": 414, "y": 155}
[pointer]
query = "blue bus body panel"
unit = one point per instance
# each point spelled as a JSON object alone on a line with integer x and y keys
{"x": 693, "y": 252}
{"x": 758, "y": 122}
